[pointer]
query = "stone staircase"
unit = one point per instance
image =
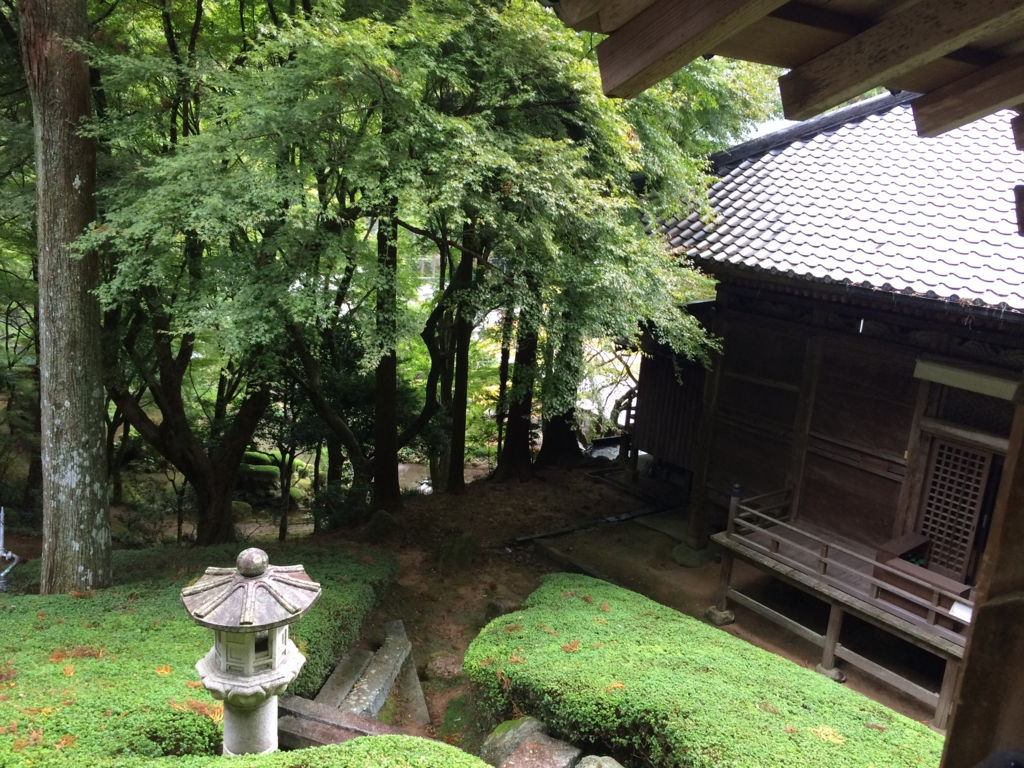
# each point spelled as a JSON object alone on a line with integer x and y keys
{"x": 348, "y": 703}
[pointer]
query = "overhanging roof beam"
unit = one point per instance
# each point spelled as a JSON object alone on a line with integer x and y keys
{"x": 971, "y": 97}
{"x": 668, "y": 35}
{"x": 895, "y": 46}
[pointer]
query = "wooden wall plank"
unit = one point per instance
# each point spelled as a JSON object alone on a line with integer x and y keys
{"x": 668, "y": 35}
{"x": 802, "y": 424}
{"x": 969, "y": 98}
{"x": 900, "y": 43}
{"x": 918, "y": 450}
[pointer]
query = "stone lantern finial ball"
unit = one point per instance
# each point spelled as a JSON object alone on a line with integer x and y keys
{"x": 252, "y": 562}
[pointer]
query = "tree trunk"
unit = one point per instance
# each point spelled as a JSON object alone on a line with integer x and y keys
{"x": 560, "y": 447}
{"x": 514, "y": 461}
{"x": 387, "y": 494}
{"x": 287, "y": 461}
{"x": 460, "y": 393}
{"x": 507, "y": 320}
{"x": 76, "y": 526}
{"x": 215, "y": 523}
{"x": 32, "y": 498}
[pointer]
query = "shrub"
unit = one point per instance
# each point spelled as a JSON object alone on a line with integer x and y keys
{"x": 602, "y": 664}
{"x": 256, "y": 458}
{"x": 180, "y": 733}
{"x": 259, "y": 471}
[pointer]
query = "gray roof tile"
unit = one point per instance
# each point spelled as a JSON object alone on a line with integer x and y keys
{"x": 868, "y": 202}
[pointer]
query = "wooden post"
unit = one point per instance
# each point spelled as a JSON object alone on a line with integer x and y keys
{"x": 944, "y": 708}
{"x": 827, "y": 666}
{"x": 822, "y": 560}
{"x": 734, "y": 506}
{"x": 697, "y": 522}
{"x": 773, "y": 545}
{"x": 719, "y": 613}
{"x": 988, "y": 706}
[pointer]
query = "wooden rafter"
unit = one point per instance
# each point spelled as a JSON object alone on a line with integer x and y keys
{"x": 581, "y": 14}
{"x": 668, "y": 35}
{"x": 896, "y": 46}
{"x": 971, "y": 97}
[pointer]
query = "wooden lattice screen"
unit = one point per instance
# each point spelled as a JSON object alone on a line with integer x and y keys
{"x": 949, "y": 514}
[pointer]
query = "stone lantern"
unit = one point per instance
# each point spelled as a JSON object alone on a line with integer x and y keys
{"x": 252, "y": 661}
{"x": 5, "y": 556}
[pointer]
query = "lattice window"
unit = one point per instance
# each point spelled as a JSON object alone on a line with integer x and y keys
{"x": 949, "y": 514}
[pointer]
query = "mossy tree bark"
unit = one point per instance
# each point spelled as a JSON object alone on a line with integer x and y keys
{"x": 463, "y": 335}
{"x": 76, "y": 527}
{"x": 515, "y": 461}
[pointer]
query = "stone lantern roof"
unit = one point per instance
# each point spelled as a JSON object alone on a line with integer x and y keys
{"x": 251, "y": 597}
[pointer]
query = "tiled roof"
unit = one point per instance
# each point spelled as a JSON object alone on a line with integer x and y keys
{"x": 857, "y": 197}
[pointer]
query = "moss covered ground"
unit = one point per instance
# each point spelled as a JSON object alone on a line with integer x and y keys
{"x": 607, "y": 666}
{"x": 108, "y": 678}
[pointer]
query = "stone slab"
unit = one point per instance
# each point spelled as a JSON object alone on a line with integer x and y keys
{"x": 408, "y": 687}
{"x": 592, "y": 761}
{"x": 371, "y": 691}
{"x": 304, "y": 709}
{"x": 506, "y": 738}
{"x": 296, "y": 733}
{"x": 344, "y": 676}
{"x": 542, "y": 751}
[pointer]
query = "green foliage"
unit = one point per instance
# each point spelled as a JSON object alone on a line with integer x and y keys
{"x": 262, "y": 471}
{"x": 109, "y": 678}
{"x": 257, "y": 459}
{"x": 602, "y": 664}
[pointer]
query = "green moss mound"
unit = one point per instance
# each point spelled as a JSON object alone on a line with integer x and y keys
{"x": 257, "y": 458}
{"x": 602, "y": 664}
{"x": 259, "y": 470}
{"x": 109, "y": 678}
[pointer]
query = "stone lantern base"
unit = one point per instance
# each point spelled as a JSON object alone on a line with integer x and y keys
{"x": 250, "y": 701}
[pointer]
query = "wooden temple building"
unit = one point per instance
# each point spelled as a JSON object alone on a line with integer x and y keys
{"x": 870, "y": 309}
{"x": 962, "y": 61}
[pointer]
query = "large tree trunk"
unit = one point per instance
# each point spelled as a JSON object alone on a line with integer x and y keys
{"x": 460, "y": 392}
{"x": 76, "y": 527}
{"x": 515, "y": 460}
{"x": 387, "y": 494}
{"x": 560, "y": 447}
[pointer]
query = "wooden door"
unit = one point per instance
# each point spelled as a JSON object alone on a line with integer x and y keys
{"x": 952, "y": 499}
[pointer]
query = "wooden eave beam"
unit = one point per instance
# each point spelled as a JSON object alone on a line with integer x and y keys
{"x": 893, "y": 47}
{"x": 581, "y": 15}
{"x": 668, "y": 35}
{"x": 971, "y": 97}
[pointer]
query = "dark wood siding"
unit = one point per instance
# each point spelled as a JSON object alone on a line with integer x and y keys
{"x": 667, "y": 410}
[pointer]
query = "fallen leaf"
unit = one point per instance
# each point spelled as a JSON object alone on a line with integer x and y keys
{"x": 789, "y": 729}
{"x": 515, "y": 658}
{"x": 513, "y": 627}
{"x": 87, "y": 594}
{"x": 570, "y": 594}
{"x": 605, "y": 608}
{"x": 368, "y": 560}
{"x": 34, "y": 739}
{"x": 194, "y": 684}
{"x": 571, "y": 647}
{"x": 828, "y": 734}
{"x": 163, "y": 670}
{"x": 65, "y": 741}
{"x": 876, "y": 726}
{"x": 486, "y": 662}
{"x": 69, "y": 671}
{"x": 12, "y": 728}
{"x": 453, "y": 738}
{"x": 614, "y": 687}
{"x": 588, "y": 599}
{"x": 599, "y": 645}
{"x": 766, "y": 706}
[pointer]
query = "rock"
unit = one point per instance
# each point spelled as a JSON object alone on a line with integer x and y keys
{"x": 599, "y": 762}
{"x": 444, "y": 666}
{"x": 542, "y": 751}
{"x": 688, "y": 557}
{"x": 499, "y": 607}
{"x": 506, "y": 738}
{"x": 457, "y": 554}
{"x": 381, "y": 527}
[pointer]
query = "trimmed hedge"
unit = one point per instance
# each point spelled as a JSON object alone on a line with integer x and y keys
{"x": 257, "y": 458}
{"x": 108, "y": 678}
{"x": 605, "y": 665}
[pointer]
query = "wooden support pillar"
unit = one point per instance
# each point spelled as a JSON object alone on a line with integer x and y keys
{"x": 827, "y": 667}
{"x": 988, "y": 706}
{"x": 944, "y": 708}
{"x": 719, "y": 614}
{"x": 697, "y": 514}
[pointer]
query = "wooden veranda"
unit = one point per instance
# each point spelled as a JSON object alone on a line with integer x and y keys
{"x": 918, "y": 608}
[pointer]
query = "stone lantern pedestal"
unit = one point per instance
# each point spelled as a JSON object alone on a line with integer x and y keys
{"x": 252, "y": 661}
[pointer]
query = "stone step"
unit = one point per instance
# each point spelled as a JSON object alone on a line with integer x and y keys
{"x": 344, "y": 676}
{"x": 307, "y": 710}
{"x": 541, "y": 751}
{"x": 408, "y": 687}
{"x": 296, "y": 733}
{"x": 371, "y": 691}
